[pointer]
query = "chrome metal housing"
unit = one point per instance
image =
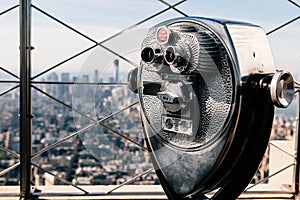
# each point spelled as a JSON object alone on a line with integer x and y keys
{"x": 206, "y": 113}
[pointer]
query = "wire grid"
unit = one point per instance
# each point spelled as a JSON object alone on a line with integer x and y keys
{"x": 101, "y": 122}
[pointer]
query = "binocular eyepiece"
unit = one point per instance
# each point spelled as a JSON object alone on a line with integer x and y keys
{"x": 152, "y": 55}
{"x": 173, "y": 56}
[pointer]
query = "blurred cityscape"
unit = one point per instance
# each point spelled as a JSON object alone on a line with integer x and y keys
{"x": 97, "y": 156}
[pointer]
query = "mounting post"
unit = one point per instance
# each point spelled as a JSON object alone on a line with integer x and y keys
{"x": 297, "y": 167}
{"x": 25, "y": 99}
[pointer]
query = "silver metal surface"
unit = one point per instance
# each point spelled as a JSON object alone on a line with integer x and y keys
{"x": 185, "y": 120}
{"x": 252, "y": 49}
{"x": 282, "y": 89}
{"x": 194, "y": 49}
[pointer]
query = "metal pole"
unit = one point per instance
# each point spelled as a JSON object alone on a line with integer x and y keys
{"x": 297, "y": 173}
{"x": 25, "y": 99}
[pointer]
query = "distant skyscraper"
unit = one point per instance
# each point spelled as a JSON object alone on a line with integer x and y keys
{"x": 96, "y": 76}
{"x": 52, "y": 89}
{"x": 85, "y": 79}
{"x": 116, "y": 66}
{"x": 64, "y": 88}
{"x": 111, "y": 80}
{"x": 65, "y": 77}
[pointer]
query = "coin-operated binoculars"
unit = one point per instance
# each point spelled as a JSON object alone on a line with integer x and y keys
{"x": 207, "y": 91}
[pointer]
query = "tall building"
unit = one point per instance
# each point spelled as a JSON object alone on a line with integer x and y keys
{"x": 85, "y": 78}
{"x": 96, "y": 76}
{"x": 65, "y": 77}
{"x": 52, "y": 89}
{"x": 64, "y": 91}
{"x": 116, "y": 66}
{"x": 111, "y": 79}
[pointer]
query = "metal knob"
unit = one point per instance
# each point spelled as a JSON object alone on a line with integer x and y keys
{"x": 282, "y": 89}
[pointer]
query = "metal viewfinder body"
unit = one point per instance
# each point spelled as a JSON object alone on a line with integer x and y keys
{"x": 207, "y": 111}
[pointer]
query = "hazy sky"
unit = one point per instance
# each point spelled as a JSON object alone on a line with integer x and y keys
{"x": 101, "y": 18}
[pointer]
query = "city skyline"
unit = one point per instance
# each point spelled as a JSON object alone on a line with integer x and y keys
{"x": 97, "y": 156}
